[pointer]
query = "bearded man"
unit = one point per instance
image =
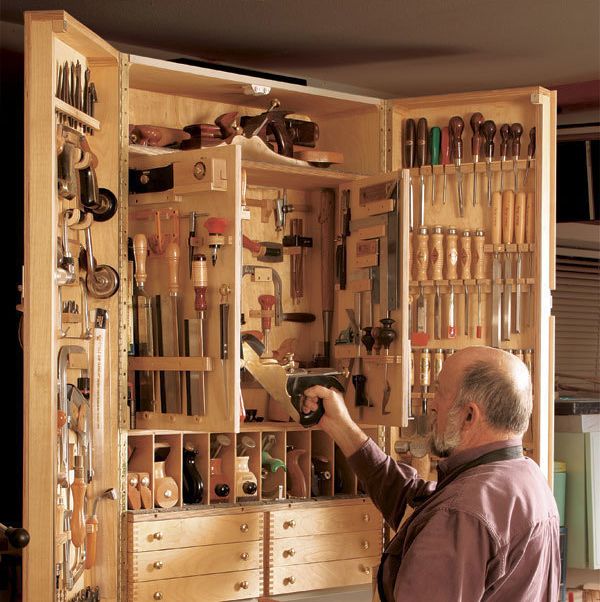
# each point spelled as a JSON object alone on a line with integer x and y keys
{"x": 488, "y": 529}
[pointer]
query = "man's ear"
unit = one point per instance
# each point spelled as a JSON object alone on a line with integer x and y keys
{"x": 473, "y": 415}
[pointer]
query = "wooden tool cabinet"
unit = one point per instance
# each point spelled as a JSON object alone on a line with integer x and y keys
{"x": 242, "y": 547}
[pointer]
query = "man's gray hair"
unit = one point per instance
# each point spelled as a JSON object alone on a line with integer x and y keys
{"x": 503, "y": 394}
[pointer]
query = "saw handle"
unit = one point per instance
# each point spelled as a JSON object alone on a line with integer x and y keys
{"x": 296, "y": 388}
{"x": 172, "y": 254}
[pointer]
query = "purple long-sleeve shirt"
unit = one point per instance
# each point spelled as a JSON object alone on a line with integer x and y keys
{"x": 492, "y": 534}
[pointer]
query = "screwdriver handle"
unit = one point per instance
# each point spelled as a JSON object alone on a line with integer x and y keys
{"x": 505, "y": 136}
{"x": 200, "y": 282}
{"x": 434, "y": 145}
{"x": 456, "y": 126}
{"x": 422, "y": 139}
{"x": 140, "y": 253}
{"x": 520, "y": 203}
{"x": 465, "y": 255}
{"x": 422, "y": 253}
{"x": 516, "y": 130}
{"x": 409, "y": 143}
{"x": 496, "y": 218}
{"x": 451, "y": 254}
{"x": 476, "y": 123}
{"x": 425, "y": 368}
{"x": 508, "y": 216}
{"x": 445, "y": 146}
{"x": 478, "y": 255}
{"x": 436, "y": 254}
{"x": 172, "y": 255}
{"x": 531, "y": 146}
{"x": 489, "y": 132}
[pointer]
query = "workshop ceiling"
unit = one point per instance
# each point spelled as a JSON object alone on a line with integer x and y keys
{"x": 387, "y": 47}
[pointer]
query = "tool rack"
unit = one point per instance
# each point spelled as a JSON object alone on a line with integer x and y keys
{"x": 337, "y": 535}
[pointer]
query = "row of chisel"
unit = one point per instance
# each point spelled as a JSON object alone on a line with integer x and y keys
{"x": 77, "y": 91}
{"x": 445, "y": 146}
{"x": 89, "y": 594}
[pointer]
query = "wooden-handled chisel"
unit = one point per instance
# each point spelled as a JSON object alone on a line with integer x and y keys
{"x": 436, "y": 259}
{"x": 465, "y": 262}
{"x": 530, "y": 239}
{"x": 508, "y": 228}
{"x": 422, "y": 140}
{"x": 516, "y": 130}
{"x": 195, "y": 340}
{"x": 496, "y": 236}
{"x": 457, "y": 125}
{"x": 489, "y": 131}
{"x": 172, "y": 329}
{"x": 269, "y": 252}
{"x": 505, "y": 136}
{"x": 520, "y": 202}
{"x": 478, "y": 274}
{"x": 476, "y": 123}
{"x": 451, "y": 275}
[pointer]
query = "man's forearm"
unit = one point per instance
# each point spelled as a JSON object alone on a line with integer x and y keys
{"x": 348, "y": 436}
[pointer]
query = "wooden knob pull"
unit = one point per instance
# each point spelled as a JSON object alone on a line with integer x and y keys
{"x": 244, "y": 585}
{"x": 158, "y": 565}
{"x": 291, "y": 552}
{"x": 173, "y": 256}
{"x": 140, "y": 253}
{"x": 520, "y": 202}
{"x": 158, "y": 596}
{"x": 366, "y": 518}
{"x": 365, "y": 545}
{"x": 365, "y": 569}
{"x": 289, "y": 524}
{"x": 289, "y": 580}
{"x": 508, "y": 216}
{"x": 244, "y": 555}
{"x": 244, "y": 528}
{"x": 157, "y": 536}
{"x": 496, "y": 218}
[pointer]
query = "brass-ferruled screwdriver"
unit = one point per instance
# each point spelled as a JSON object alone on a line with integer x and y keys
{"x": 505, "y": 136}
{"x": 530, "y": 154}
{"x": 516, "y": 130}
{"x": 445, "y": 154}
{"x": 476, "y": 123}
{"x": 457, "y": 125}
{"x": 489, "y": 132}
{"x": 434, "y": 149}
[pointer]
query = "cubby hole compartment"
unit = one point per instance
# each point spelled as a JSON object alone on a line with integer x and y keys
{"x": 248, "y": 444}
{"x": 140, "y": 459}
{"x": 344, "y": 478}
{"x": 273, "y": 484}
{"x": 200, "y": 443}
{"x": 222, "y": 468}
{"x": 298, "y": 453}
{"x": 172, "y": 469}
{"x": 323, "y": 464}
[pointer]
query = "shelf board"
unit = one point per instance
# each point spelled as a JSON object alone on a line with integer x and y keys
{"x": 60, "y": 106}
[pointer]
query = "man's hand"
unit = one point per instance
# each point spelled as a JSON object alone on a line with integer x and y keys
{"x": 336, "y": 421}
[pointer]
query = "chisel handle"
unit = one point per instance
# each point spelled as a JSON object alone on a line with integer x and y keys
{"x": 456, "y": 126}
{"x": 78, "y": 488}
{"x": 476, "y": 123}
{"x": 496, "y": 218}
{"x": 200, "y": 282}
{"x": 478, "y": 255}
{"x": 173, "y": 256}
{"x": 489, "y": 132}
{"x": 434, "y": 145}
{"x": 445, "y": 146}
{"x": 409, "y": 143}
{"x": 422, "y": 136}
{"x": 436, "y": 254}
{"x": 422, "y": 253}
{"x": 520, "y": 206}
{"x": 530, "y": 218}
{"x": 508, "y": 216}
{"x": 505, "y": 136}
{"x": 91, "y": 530}
{"x": 516, "y": 130}
{"x": 425, "y": 368}
{"x": 451, "y": 254}
{"x": 465, "y": 255}
{"x": 531, "y": 146}
{"x": 140, "y": 253}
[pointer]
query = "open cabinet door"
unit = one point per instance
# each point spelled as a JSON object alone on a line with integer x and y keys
{"x": 372, "y": 301}
{"x": 70, "y": 326}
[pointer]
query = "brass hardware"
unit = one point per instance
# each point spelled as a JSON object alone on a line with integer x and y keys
{"x": 199, "y": 170}
{"x": 244, "y": 527}
{"x": 289, "y": 524}
{"x": 244, "y": 555}
{"x": 365, "y": 569}
{"x": 158, "y": 596}
{"x": 365, "y": 545}
{"x": 158, "y": 536}
{"x": 290, "y": 552}
{"x": 366, "y": 518}
{"x": 289, "y": 580}
{"x": 144, "y": 179}
{"x": 244, "y": 585}
{"x": 158, "y": 564}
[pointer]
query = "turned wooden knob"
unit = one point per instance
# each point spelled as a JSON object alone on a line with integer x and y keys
{"x": 244, "y": 527}
{"x": 158, "y": 596}
{"x": 366, "y": 570}
{"x": 289, "y": 524}
{"x": 289, "y": 580}
{"x": 244, "y": 555}
{"x": 365, "y": 545}
{"x": 158, "y": 565}
{"x": 158, "y": 536}
{"x": 366, "y": 518}
{"x": 290, "y": 552}
{"x": 244, "y": 585}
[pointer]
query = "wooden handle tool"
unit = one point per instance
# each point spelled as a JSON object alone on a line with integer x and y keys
{"x": 496, "y": 235}
{"x": 267, "y": 303}
{"x": 505, "y": 136}
{"x": 516, "y": 129}
{"x": 408, "y": 161}
{"x": 422, "y": 140}
{"x": 436, "y": 259}
{"x": 465, "y": 262}
{"x": 445, "y": 154}
{"x": 140, "y": 253}
{"x": 434, "y": 148}
{"x": 478, "y": 274}
{"x": 508, "y": 228}
{"x": 530, "y": 153}
{"x": 78, "y": 489}
{"x": 476, "y": 122}
{"x": 457, "y": 125}
{"x": 451, "y": 274}
{"x": 489, "y": 132}
{"x": 520, "y": 206}
{"x": 197, "y": 380}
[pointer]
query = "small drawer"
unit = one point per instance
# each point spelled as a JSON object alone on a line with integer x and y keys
{"x": 339, "y": 573}
{"x": 323, "y": 548}
{"x": 208, "y": 588}
{"x": 187, "y": 562}
{"x": 296, "y": 522}
{"x": 193, "y": 531}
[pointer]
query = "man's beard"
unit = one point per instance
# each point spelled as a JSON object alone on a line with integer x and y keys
{"x": 442, "y": 444}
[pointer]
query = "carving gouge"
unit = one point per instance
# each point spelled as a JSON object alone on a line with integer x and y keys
{"x": 530, "y": 154}
{"x": 422, "y": 139}
{"x": 508, "y": 227}
{"x": 516, "y": 130}
{"x": 457, "y": 125}
{"x": 445, "y": 153}
{"x": 489, "y": 131}
{"x": 505, "y": 136}
{"x": 476, "y": 123}
{"x": 434, "y": 148}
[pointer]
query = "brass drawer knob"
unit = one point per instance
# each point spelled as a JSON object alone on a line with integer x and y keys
{"x": 158, "y": 536}
{"x": 244, "y": 585}
{"x": 244, "y": 527}
{"x": 366, "y": 518}
{"x": 365, "y": 545}
{"x": 289, "y": 580}
{"x": 158, "y": 596}
{"x": 365, "y": 569}
{"x": 290, "y": 552}
{"x": 289, "y": 524}
{"x": 158, "y": 564}
{"x": 244, "y": 555}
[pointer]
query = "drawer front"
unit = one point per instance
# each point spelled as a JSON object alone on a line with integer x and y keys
{"x": 339, "y": 573}
{"x": 323, "y": 548}
{"x": 207, "y": 588}
{"x": 187, "y": 532}
{"x": 187, "y": 562}
{"x": 295, "y": 522}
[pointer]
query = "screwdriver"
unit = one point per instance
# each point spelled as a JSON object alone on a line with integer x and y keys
{"x": 434, "y": 148}
{"x": 422, "y": 139}
{"x": 457, "y": 125}
{"x": 409, "y": 157}
{"x": 445, "y": 153}
{"x": 505, "y": 136}
{"x": 489, "y": 131}
{"x": 516, "y": 129}
{"x": 530, "y": 153}
{"x": 476, "y": 123}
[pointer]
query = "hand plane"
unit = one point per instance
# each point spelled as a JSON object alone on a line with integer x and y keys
{"x": 286, "y": 383}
